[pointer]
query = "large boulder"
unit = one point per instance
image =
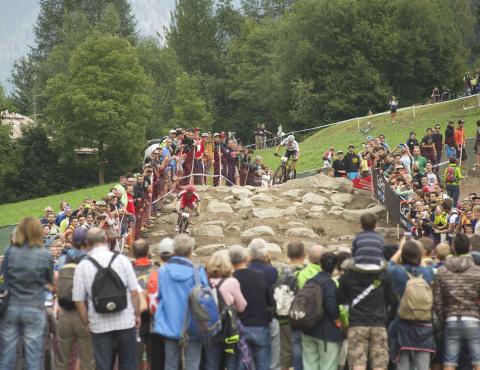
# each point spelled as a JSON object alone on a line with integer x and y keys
{"x": 219, "y": 207}
{"x": 257, "y": 231}
{"x": 208, "y": 250}
{"x": 210, "y": 230}
{"x": 294, "y": 193}
{"x": 262, "y": 198}
{"x": 301, "y": 232}
{"x": 341, "y": 198}
{"x": 245, "y": 203}
{"x": 312, "y": 198}
{"x": 387, "y": 232}
{"x": 273, "y": 248}
{"x": 319, "y": 182}
{"x": 241, "y": 192}
{"x": 355, "y": 214}
{"x": 263, "y": 213}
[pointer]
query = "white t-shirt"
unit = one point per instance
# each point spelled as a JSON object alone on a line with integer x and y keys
{"x": 291, "y": 146}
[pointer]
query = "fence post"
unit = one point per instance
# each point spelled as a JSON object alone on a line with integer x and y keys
{"x": 358, "y": 123}
{"x": 413, "y": 107}
{"x": 478, "y": 99}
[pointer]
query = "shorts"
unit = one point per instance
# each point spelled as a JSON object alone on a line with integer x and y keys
{"x": 368, "y": 344}
{"x": 393, "y": 110}
{"x": 291, "y": 153}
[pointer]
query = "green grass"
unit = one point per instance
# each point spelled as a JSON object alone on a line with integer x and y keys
{"x": 12, "y": 213}
{"x": 340, "y": 136}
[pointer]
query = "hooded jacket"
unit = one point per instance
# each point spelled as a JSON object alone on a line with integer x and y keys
{"x": 456, "y": 288}
{"x": 175, "y": 281}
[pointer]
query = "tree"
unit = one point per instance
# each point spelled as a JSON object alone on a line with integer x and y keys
{"x": 101, "y": 102}
{"x": 23, "y": 79}
{"x": 189, "y": 108}
{"x": 192, "y": 35}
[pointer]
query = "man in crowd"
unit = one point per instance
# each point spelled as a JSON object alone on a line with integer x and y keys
{"x": 368, "y": 245}
{"x": 258, "y": 314}
{"x": 339, "y": 165}
{"x": 452, "y": 176}
{"x": 460, "y": 141}
{"x": 175, "y": 281}
{"x": 456, "y": 291}
{"x": 109, "y": 330}
{"x": 450, "y": 144}
{"x": 352, "y": 161}
{"x": 419, "y": 160}
{"x": 428, "y": 148}
{"x": 438, "y": 141}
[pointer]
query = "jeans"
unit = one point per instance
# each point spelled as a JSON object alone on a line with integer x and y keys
{"x": 319, "y": 354}
{"x": 215, "y": 352}
{"x": 297, "y": 350}
{"x": 258, "y": 338}
{"x": 414, "y": 360}
{"x": 27, "y": 323}
{"x": 457, "y": 332}
{"x": 453, "y": 192}
{"x": 121, "y": 342}
{"x": 352, "y": 175}
{"x": 274, "y": 329}
{"x": 173, "y": 353}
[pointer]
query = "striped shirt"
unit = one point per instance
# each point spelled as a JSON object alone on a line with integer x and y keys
{"x": 367, "y": 248}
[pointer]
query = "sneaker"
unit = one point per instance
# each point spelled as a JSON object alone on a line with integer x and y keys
{"x": 188, "y": 230}
{"x": 177, "y": 228}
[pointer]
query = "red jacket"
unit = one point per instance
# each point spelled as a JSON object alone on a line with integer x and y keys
{"x": 131, "y": 205}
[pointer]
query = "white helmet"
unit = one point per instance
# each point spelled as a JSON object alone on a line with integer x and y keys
{"x": 290, "y": 138}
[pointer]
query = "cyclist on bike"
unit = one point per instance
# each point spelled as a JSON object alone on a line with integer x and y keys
{"x": 189, "y": 200}
{"x": 292, "y": 150}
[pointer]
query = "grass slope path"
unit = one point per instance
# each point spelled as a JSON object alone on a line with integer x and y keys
{"x": 340, "y": 136}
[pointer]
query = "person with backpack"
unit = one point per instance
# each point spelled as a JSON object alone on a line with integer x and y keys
{"x": 283, "y": 293}
{"x": 259, "y": 260}
{"x": 70, "y": 327}
{"x": 105, "y": 292}
{"x": 368, "y": 291}
{"x": 321, "y": 344}
{"x": 183, "y": 288}
{"x": 411, "y": 338}
{"x": 452, "y": 176}
{"x": 143, "y": 266}
{"x": 456, "y": 293}
{"x": 452, "y": 219}
{"x": 258, "y": 313}
{"x": 230, "y": 302}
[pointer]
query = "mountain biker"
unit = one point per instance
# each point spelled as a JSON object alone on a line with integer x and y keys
{"x": 292, "y": 150}
{"x": 189, "y": 199}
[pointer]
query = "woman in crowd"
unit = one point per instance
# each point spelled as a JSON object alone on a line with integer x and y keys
{"x": 28, "y": 271}
{"x": 219, "y": 270}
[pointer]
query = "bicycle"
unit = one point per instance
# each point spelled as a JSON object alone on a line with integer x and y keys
{"x": 284, "y": 172}
{"x": 184, "y": 220}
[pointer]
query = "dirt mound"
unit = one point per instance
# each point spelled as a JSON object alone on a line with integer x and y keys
{"x": 317, "y": 209}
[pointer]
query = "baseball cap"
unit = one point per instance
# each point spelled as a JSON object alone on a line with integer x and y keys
{"x": 197, "y": 129}
{"x": 351, "y": 146}
{"x": 79, "y": 236}
{"x": 164, "y": 248}
{"x": 172, "y": 132}
{"x": 340, "y": 152}
{"x": 101, "y": 203}
{"x": 461, "y": 121}
{"x": 205, "y": 134}
{"x": 216, "y": 134}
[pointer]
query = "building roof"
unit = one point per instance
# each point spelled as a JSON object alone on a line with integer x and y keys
{"x": 16, "y": 122}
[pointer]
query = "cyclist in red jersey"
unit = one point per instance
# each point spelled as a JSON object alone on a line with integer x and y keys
{"x": 189, "y": 200}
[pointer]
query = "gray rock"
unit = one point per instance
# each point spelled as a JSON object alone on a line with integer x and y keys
{"x": 210, "y": 230}
{"x": 208, "y": 250}
{"x": 292, "y": 193}
{"x": 318, "y": 209}
{"x": 262, "y": 198}
{"x": 354, "y": 215}
{"x": 230, "y": 198}
{"x": 341, "y": 198}
{"x": 311, "y": 198}
{"x": 273, "y": 248}
{"x": 301, "y": 232}
{"x": 217, "y": 223}
{"x": 244, "y": 203}
{"x": 336, "y": 208}
{"x": 293, "y": 224}
{"x": 170, "y": 219}
{"x": 319, "y": 182}
{"x": 257, "y": 231}
{"x": 387, "y": 232}
{"x": 334, "y": 213}
{"x": 315, "y": 215}
{"x": 241, "y": 192}
{"x": 263, "y": 213}
{"x": 219, "y": 207}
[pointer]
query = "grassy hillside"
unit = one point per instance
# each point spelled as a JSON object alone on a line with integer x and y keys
{"x": 340, "y": 136}
{"x": 13, "y": 212}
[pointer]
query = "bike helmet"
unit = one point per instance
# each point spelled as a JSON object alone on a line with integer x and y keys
{"x": 290, "y": 138}
{"x": 190, "y": 189}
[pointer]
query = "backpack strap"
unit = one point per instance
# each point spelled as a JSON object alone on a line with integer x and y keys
{"x": 115, "y": 254}
{"x": 95, "y": 263}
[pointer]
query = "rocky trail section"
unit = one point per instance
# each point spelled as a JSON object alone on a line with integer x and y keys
{"x": 315, "y": 209}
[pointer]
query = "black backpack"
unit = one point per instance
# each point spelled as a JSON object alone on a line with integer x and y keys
{"x": 109, "y": 293}
{"x": 307, "y": 306}
{"x": 230, "y": 332}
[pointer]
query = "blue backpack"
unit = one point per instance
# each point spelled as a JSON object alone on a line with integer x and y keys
{"x": 202, "y": 318}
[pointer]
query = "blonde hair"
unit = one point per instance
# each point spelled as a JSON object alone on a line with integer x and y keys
{"x": 442, "y": 250}
{"x": 29, "y": 231}
{"x": 219, "y": 266}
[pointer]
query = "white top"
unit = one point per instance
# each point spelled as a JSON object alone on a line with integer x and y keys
{"x": 291, "y": 146}
{"x": 82, "y": 290}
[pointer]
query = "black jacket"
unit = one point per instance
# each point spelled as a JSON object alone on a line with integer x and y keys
{"x": 371, "y": 311}
{"x": 352, "y": 161}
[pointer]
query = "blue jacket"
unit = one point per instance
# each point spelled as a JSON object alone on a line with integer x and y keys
{"x": 175, "y": 281}
{"x": 400, "y": 277}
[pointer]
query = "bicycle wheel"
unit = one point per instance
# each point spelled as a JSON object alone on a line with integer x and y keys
{"x": 183, "y": 226}
{"x": 279, "y": 175}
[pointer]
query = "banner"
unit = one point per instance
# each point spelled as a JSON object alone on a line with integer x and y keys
{"x": 397, "y": 208}
{"x": 364, "y": 183}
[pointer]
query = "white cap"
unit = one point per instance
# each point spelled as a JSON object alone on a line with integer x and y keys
{"x": 164, "y": 248}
